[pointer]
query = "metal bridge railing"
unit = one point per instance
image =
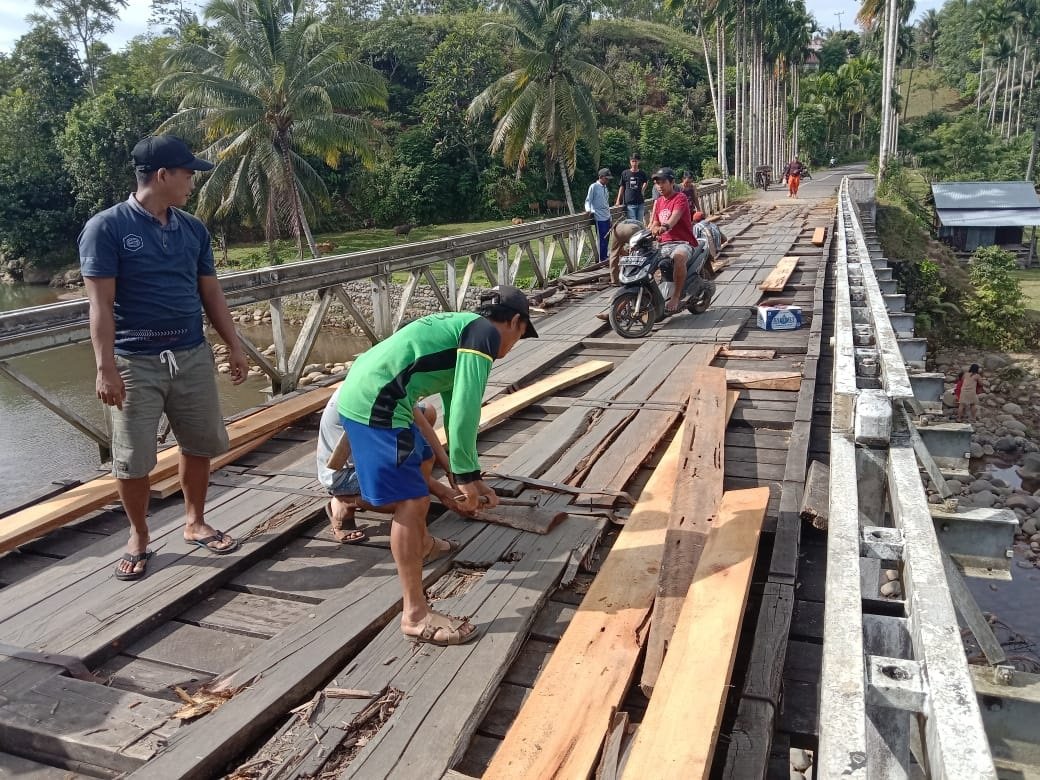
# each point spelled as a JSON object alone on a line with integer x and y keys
{"x": 445, "y": 266}
{"x": 894, "y": 689}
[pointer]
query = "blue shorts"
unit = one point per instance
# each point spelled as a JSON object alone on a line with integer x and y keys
{"x": 388, "y": 462}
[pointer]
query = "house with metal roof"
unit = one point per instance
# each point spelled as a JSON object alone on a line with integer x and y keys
{"x": 970, "y": 214}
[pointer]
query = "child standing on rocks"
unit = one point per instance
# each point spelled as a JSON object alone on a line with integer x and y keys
{"x": 967, "y": 390}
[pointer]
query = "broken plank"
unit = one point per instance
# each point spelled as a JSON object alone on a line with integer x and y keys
{"x": 418, "y": 743}
{"x": 36, "y": 520}
{"x": 777, "y": 279}
{"x": 561, "y": 736}
{"x": 535, "y": 520}
{"x": 764, "y": 380}
{"x": 818, "y": 236}
{"x": 266, "y": 685}
{"x": 695, "y": 676}
{"x": 695, "y": 506}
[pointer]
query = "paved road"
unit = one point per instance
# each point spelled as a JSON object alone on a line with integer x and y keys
{"x": 823, "y": 184}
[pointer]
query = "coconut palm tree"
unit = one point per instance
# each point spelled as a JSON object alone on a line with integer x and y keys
{"x": 548, "y": 98}
{"x": 267, "y": 94}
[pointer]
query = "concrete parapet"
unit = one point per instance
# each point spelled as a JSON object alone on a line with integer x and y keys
{"x": 927, "y": 386}
{"x": 978, "y": 539}
{"x": 914, "y": 350}
{"x": 947, "y": 441}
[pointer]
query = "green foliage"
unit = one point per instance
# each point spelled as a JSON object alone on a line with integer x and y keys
{"x": 615, "y": 147}
{"x": 738, "y": 188}
{"x": 99, "y": 134}
{"x": 272, "y": 98}
{"x": 996, "y": 312}
{"x": 935, "y": 316}
{"x": 82, "y": 23}
{"x": 665, "y": 141}
{"x": 37, "y": 209}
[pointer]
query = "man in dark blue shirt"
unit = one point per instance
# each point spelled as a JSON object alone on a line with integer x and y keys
{"x": 149, "y": 274}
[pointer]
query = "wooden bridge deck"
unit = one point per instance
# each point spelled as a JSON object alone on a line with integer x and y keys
{"x": 88, "y": 665}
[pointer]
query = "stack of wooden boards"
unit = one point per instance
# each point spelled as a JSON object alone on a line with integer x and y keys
{"x": 686, "y": 553}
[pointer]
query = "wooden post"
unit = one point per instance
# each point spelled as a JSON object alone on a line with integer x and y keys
{"x": 381, "y": 314}
{"x": 452, "y": 283}
{"x": 281, "y": 351}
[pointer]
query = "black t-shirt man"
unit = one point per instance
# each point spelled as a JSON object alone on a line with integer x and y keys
{"x": 632, "y": 183}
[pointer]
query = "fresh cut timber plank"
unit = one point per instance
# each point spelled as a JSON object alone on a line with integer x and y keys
{"x": 694, "y": 679}
{"x": 818, "y": 236}
{"x": 777, "y": 279}
{"x": 165, "y": 488}
{"x": 36, "y": 520}
{"x": 283, "y": 670}
{"x": 561, "y": 727}
{"x": 502, "y": 407}
{"x": 765, "y": 380}
{"x": 694, "y": 510}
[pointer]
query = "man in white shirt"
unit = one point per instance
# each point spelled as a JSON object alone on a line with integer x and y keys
{"x": 597, "y": 203}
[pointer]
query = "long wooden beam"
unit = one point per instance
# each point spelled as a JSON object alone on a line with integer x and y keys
{"x": 560, "y": 728}
{"x": 695, "y": 676}
{"x": 38, "y": 519}
{"x": 504, "y": 406}
{"x": 694, "y": 511}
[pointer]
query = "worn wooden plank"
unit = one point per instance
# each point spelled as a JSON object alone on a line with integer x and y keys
{"x": 86, "y": 722}
{"x": 503, "y": 710}
{"x": 36, "y": 520}
{"x": 53, "y": 620}
{"x": 417, "y": 743}
{"x": 267, "y": 683}
{"x": 26, "y": 769}
{"x": 182, "y": 644}
{"x": 149, "y": 678}
{"x": 245, "y": 613}
{"x": 694, "y": 678}
{"x": 552, "y": 621}
{"x": 748, "y": 751}
{"x": 556, "y": 736}
{"x": 777, "y": 279}
{"x": 503, "y": 407}
{"x": 698, "y": 491}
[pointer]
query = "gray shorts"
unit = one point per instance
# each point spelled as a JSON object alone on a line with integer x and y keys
{"x": 185, "y": 388}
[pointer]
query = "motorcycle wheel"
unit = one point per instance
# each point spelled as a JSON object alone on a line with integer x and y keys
{"x": 700, "y": 303}
{"x": 626, "y": 321}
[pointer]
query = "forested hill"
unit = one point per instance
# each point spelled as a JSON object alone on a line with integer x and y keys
{"x": 67, "y": 125}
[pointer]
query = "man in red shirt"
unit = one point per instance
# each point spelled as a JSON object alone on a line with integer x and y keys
{"x": 670, "y": 222}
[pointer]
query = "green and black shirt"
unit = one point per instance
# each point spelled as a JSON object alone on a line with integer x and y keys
{"x": 448, "y": 353}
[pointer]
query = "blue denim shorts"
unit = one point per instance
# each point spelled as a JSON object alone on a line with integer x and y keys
{"x": 388, "y": 462}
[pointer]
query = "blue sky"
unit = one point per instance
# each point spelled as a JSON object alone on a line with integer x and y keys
{"x": 134, "y": 18}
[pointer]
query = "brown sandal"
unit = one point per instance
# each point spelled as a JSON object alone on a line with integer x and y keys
{"x": 437, "y": 552}
{"x": 355, "y": 535}
{"x": 435, "y": 622}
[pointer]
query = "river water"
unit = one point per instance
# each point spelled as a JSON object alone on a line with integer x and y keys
{"x": 37, "y": 447}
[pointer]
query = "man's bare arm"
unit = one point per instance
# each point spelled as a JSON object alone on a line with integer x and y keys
{"x": 101, "y": 292}
{"x": 216, "y": 308}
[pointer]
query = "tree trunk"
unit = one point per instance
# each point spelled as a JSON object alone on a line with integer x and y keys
{"x": 978, "y": 89}
{"x": 1031, "y": 165}
{"x": 566, "y": 187}
{"x": 301, "y": 227}
{"x": 909, "y": 90}
{"x": 720, "y": 56}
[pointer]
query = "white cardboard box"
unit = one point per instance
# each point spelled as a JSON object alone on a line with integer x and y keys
{"x": 779, "y": 317}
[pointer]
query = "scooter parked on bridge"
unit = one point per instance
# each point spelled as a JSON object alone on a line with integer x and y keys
{"x": 640, "y": 302}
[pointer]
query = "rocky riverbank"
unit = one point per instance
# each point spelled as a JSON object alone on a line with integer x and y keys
{"x": 1005, "y": 448}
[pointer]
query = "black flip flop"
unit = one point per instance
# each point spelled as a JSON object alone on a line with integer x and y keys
{"x": 219, "y": 536}
{"x": 133, "y": 559}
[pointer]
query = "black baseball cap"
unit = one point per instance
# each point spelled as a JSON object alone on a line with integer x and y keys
{"x": 514, "y": 299}
{"x": 166, "y": 151}
{"x": 664, "y": 173}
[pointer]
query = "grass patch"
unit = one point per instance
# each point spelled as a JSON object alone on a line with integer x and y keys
{"x": 1029, "y": 281}
{"x": 928, "y": 92}
{"x": 247, "y": 256}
